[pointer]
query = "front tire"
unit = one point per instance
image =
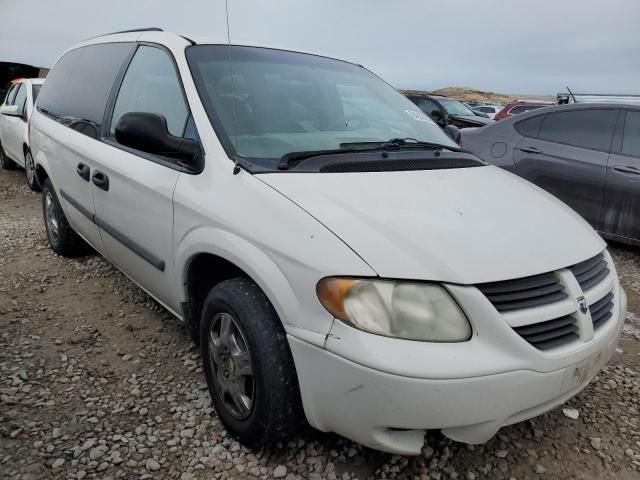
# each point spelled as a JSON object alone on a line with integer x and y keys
{"x": 5, "y": 162}
{"x": 30, "y": 172}
{"x": 248, "y": 364}
{"x": 62, "y": 238}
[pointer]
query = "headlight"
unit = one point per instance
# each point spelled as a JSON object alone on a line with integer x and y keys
{"x": 412, "y": 311}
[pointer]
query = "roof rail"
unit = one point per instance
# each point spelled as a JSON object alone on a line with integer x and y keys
{"x": 147, "y": 29}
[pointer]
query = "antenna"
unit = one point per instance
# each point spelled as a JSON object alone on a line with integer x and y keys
{"x": 571, "y": 93}
{"x": 236, "y": 165}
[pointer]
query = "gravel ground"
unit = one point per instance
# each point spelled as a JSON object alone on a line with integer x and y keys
{"x": 98, "y": 381}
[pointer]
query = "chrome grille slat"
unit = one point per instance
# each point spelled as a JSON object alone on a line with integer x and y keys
{"x": 551, "y": 333}
{"x": 601, "y": 310}
{"x": 600, "y": 321}
{"x": 544, "y": 326}
{"x": 590, "y": 272}
{"x": 556, "y": 341}
{"x": 523, "y": 292}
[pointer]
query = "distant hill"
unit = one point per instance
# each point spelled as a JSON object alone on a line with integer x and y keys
{"x": 467, "y": 94}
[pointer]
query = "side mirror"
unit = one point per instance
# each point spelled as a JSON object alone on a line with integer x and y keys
{"x": 148, "y": 133}
{"x": 453, "y": 132}
{"x": 436, "y": 114}
{"x": 11, "y": 111}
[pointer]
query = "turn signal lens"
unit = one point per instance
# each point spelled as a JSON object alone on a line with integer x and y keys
{"x": 332, "y": 291}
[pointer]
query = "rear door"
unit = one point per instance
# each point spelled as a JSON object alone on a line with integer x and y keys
{"x": 568, "y": 157}
{"x": 135, "y": 210}
{"x": 74, "y": 98}
{"x": 621, "y": 205}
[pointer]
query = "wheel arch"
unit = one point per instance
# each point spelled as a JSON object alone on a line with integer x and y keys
{"x": 209, "y": 256}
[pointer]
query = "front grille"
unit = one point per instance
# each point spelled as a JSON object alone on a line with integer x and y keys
{"x": 552, "y": 333}
{"x": 601, "y": 310}
{"x": 524, "y": 292}
{"x": 590, "y": 272}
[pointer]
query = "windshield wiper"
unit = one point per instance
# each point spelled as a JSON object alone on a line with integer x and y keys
{"x": 358, "y": 147}
{"x": 406, "y": 142}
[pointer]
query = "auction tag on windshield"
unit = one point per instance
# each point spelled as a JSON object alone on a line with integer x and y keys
{"x": 418, "y": 116}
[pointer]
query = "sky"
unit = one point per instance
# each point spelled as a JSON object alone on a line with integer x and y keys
{"x": 514, "y": 46}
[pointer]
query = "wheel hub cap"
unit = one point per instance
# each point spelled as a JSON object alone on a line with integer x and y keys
{"x": 230, "y": 363}
{"x": 50, "y": 213}
{"x": 30, "y": 169}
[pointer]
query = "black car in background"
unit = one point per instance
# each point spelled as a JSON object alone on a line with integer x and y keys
{"x": 587, "y": 155}
{"x": 448, "y": 111}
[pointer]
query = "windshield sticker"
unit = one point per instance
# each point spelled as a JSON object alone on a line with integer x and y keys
{"x": 418, "y": 116}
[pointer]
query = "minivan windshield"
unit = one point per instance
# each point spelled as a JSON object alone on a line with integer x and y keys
{"x": 266, "y": 103}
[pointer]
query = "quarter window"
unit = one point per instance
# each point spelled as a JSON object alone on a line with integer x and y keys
{"x": 591, "y": 129}
{"x": 151, "y": 85}
{"x": 631, "y": 137}
{"x": 529, "y": 127}
{"x": 78, "y": 87}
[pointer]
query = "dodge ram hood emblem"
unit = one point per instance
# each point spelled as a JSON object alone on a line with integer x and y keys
{"x": 582, "y": 303}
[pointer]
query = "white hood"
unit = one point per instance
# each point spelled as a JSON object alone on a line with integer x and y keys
{"x": 467, "y": 225}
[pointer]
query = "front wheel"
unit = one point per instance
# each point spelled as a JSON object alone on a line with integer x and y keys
{"x": 248, "y": 364}
{"x": 30, "y": 171}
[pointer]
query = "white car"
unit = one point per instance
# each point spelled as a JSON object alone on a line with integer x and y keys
{"x": 331, "y": 266}
{"x": 489, "y": 110}
{"x": 15, "y": 112}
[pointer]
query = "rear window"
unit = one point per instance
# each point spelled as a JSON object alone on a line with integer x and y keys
{"x": 591, "y": 129}
{"x": 78, "y": 86}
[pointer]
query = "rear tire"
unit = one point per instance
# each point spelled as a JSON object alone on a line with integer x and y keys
{"x": 251, "y": 375}
{"x": 5, "y": 162}
{"x": 30, "y": 172}
{"x": 63, "y": 240}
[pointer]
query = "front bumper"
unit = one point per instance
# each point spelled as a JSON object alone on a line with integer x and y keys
{"x": 385, "y": 409}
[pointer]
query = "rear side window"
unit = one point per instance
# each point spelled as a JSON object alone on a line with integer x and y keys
{"x": 78, "y": 87}
{"x": 529, "y": 127}
{"x": 631, "y": 138}
{"x": 591, "y": 129}
{"x": 151, "y": 85}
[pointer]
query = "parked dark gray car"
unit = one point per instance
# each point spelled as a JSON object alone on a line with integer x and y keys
{"x": 586, "y": 155}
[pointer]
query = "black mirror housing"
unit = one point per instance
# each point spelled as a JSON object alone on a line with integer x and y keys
{"x": 148, "y": 133}
{"x": 453, "y": 132}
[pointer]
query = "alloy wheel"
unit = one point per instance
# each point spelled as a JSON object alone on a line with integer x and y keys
{"x": 30, "y": 169}
{"x": 50, "y": 213}
{"x": 230, "y": 363}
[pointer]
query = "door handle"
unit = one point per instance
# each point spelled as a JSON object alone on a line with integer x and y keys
{"x": 84, "y": 171}
{"x": 627, "y": 169}
{"x": 533, "y": 150}
{"x": 100, "y": 180}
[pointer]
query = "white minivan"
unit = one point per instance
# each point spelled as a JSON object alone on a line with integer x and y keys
{"x": 336, "y": 255}
{"x": 15, "y": 112}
